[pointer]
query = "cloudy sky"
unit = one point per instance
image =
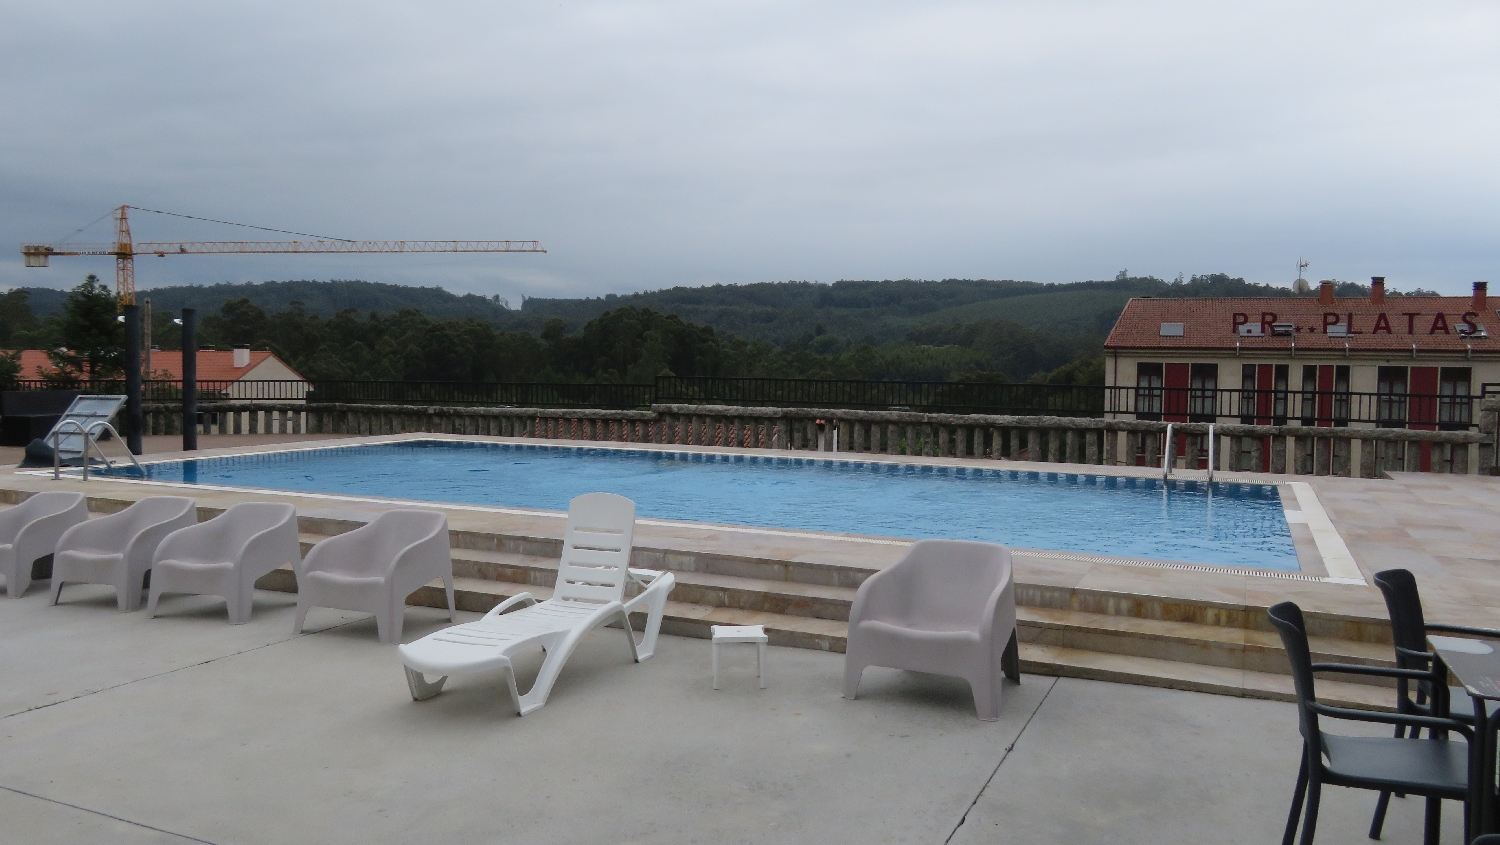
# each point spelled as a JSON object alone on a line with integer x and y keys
{"x": 656, "y": 144}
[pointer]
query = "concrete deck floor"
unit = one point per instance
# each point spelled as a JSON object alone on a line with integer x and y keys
{"x": 118, "y": 728}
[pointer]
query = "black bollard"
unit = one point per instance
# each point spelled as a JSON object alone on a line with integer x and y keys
{"x": 134, "y": 421}
{"x": 189, "y": 381}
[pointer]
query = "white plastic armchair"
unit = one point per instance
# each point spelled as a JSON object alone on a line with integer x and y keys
{"x": 376, "y": 566}
{"x": 31, "y": 530}
{"x": 225, "y": 555}
{"x": 117, "y": 549}
{"x": 949, "y": 608}
{"x": 590, "y": 592}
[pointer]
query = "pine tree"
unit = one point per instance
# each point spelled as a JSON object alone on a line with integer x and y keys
{"x": 93, "y": 339}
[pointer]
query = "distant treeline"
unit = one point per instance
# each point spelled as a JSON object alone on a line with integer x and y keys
{"x": 625, "y": 344}
{"x": 956, "y": 329}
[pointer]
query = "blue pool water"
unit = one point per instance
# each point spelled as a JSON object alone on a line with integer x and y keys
{"x": 1226, "y": 524}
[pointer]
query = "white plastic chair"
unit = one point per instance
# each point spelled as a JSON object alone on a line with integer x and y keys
{"x": 375, "y": 567}
{"x": 117, "y": 549}
{"x": 949, "y": 608}
{"x": 225, "y": 555}
{"x": 591, "y": 580}
{"x": 31, "y": 530}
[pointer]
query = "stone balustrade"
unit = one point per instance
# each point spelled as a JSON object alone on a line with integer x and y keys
{"x": 1287, "y": 449}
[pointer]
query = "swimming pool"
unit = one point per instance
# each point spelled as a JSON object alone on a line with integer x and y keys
{"x": 1225, "y": 524}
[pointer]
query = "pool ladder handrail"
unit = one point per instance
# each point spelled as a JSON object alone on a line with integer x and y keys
{"x": 90, "y": 436}
{"x": 1166, "y": 453}
{"x": 1211, "y": 441}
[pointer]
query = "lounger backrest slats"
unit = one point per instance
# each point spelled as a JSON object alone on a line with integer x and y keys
{"x": 596, "y": 549}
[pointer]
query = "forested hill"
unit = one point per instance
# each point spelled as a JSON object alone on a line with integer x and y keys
{"x": 877, "y": 312}
{"x": 771, "y": 312}
{"x": 324, "y": 299}
{"x": 963, "y": 330}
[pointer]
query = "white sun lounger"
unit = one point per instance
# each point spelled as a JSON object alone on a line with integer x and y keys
{"x": 591, "y": 581}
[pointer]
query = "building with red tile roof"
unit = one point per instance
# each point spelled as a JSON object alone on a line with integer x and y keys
{"x": 220, "y": 370}
{"x": 1399, "y": 361}
{"x": 213, "y": 365}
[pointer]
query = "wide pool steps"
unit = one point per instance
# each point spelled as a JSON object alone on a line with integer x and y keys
{"x": 1139, "y": 638}
{"x": 1188, "y": 630}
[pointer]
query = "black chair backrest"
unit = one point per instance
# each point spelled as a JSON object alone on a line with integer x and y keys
{"x": 1287, "y": 617}
{"x": 35, "y": 403}
{"x": 1404, "y": 603}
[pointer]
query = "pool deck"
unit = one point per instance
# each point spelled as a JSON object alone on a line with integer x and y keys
{"x": 1199, "y": 628}
{"x": 1444, "y": 528}
{"x": 121, "y": 729}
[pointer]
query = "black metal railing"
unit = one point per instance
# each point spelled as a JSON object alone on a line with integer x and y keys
{"x": 1450, "y": 411}
{"x": 527, "y": 395}
{"x": 1454, "y": 410}
{"x": 165, "y": 390}
{"x": 932, "y": 396}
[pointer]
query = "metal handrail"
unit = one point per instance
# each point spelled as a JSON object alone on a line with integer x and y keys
{"x": 1166, "y": 455}
{"x": 1211, "y": 441}
{"x": 90, "y": 438}
{"x": 57, "y": 458}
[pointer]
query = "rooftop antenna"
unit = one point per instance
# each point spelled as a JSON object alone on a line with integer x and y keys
{"x": 1301, "y": 285}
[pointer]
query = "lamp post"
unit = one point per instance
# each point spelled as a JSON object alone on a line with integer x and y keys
{"x": 189, "y": 381}
{"x": 134, "y": 421}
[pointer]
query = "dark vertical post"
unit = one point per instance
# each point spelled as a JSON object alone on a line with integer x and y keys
{"x": 189, "y": 381}
{"x": 134, "y": 421}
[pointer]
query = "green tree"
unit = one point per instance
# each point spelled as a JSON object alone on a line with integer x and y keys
{"x": 93, "y": 340}
{"x": 15, "y": 316}
{"x": 10, "y": 368}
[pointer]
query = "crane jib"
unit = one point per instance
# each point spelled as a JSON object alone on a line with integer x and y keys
{"x": 269, "y": 247}
{"x": 125, "y": 250}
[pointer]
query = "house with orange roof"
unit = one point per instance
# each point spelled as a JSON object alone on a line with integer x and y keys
{"x": 239, "y": 373}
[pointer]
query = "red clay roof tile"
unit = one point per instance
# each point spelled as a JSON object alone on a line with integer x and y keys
{"x": 1431, "y": 322}
{"x": 213, "y": 365}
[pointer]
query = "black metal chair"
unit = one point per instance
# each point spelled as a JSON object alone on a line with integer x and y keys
{"x": 1433, "y": 767}
{"x": 1409, "y": 629}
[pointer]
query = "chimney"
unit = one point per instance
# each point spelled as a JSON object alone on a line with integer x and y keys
{"x": 1377, "y": 290}
{"x": 241, "y": 357}
{"x": 1325, "y": 292}
{"x": 1481, "y": 296}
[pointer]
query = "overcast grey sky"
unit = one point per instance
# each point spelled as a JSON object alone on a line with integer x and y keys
{"x": 656, "y": 144}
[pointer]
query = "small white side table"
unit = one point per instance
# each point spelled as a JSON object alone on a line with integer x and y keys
{"x": 741, "y": 634}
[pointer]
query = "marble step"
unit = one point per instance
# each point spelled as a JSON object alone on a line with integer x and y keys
{"x": 722, "y": 599}
{"x": 728, "y": 591}
{"x": 694, "y": 620}
{"x": 1195, "y": 677}
{"x": 1183, "y": 642}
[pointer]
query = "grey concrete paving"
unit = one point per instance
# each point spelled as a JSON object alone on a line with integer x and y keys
{"x": 1131, "y": 765}
{"x": 84, "y": 644}
{"x": 29, "y": 819}
{"x": 246, "y": 734}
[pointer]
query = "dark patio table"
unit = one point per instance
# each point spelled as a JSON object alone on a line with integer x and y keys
{"x": 1475, "y": 663}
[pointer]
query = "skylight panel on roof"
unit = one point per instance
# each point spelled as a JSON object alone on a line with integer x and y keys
{"x": 1171, "y": 329}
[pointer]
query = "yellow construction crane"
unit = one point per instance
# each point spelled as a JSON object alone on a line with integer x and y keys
{"x": 125, "y": 251}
